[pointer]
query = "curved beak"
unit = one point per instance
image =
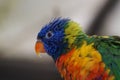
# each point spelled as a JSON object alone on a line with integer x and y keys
{"x": 39, "y": 48}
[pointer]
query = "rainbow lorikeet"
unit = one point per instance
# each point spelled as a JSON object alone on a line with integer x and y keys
{"x": 78, "y": 56}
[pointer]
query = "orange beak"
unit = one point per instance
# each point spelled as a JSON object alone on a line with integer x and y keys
{"x": 39, "y": 48}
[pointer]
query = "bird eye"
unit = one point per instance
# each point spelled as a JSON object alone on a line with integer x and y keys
{"x": 49, "y": 34}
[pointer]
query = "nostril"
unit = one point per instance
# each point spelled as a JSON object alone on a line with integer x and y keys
{"x": 39, "y": 36}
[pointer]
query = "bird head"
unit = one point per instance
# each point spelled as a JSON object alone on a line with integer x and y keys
{"x": 57, "y": 37}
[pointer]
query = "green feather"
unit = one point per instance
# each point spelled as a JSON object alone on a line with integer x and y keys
{"x": 109, "y": 48}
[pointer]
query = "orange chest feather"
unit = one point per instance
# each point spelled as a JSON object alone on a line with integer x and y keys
{"x": 76, "y": 66}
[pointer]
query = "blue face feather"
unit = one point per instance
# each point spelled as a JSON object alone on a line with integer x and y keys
{"x": 52, "y": 36}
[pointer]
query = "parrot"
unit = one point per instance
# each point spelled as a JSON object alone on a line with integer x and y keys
{"x": 78, "y": 56}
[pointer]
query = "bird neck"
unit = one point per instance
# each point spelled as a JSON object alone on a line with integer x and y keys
{"x": 73, "y": 38}
{"x": 74, "y": 34}
{"x": 67, "y": 47}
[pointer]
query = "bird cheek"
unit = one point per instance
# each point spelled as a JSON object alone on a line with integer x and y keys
{"x": 39, "y": 48}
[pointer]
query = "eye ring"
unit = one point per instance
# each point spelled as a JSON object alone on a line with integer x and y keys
{"x": 49, "y": 34}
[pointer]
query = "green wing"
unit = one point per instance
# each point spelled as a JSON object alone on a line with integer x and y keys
{"x": 110, "y": 51}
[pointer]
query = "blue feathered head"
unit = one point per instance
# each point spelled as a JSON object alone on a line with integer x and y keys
{"x": 51, "y": 36}
{"x": 55, "y": 37}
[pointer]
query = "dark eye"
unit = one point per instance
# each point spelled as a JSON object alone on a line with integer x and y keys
{"x": 49, "y": 34}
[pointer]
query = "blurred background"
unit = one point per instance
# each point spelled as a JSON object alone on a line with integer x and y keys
{"x": 21, "y": 20}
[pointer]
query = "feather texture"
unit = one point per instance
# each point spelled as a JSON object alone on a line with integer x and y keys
{"x": 84, "y": 63}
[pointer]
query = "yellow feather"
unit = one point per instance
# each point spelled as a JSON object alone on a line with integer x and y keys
{"x": 71, "y": 35}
